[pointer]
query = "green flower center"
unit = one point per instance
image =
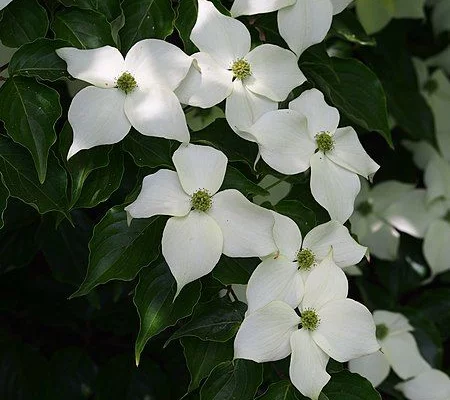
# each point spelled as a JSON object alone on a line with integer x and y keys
{"x": 309, "y": 319}
{"x": 381, "y": 331}
{"x": 126, "y": 83}
{"x": 201, "y": 200}
{"x": 364, "y": 208}
{"x": 430, "y": 86}
{"x": 305, "y": 259}
{"x": 241, "y": 69}
{"x": 324, "y": 141}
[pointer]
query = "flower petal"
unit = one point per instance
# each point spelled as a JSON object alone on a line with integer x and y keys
{"x": 386, "y": 193}
{"x": 274, "y": 72}
{"x": 334, "y": 188}
{"x": 192, "y": 246}
{"x": 429, "y": 385}
{"x": 326, "y": 282}
{"x": 156, "y": 62}
{"x": 243, "y": 108}
{"x": 321, "y": 117}
{"x": 283, "y": 140}
{"x": 374, "y": 367}
{"x": 339, "y": 5}
{"x": 161, "y": 194}
{"x": 97, "y": 117}
{"x": 305, "y": 23}
{"x": 396, "y": 323}
{"x": 224, "y": 38}
{"x": 346, "y": 330}
{"x": 349, "y": 154}
{"x": 437, "y": 179}
{"x": 251, "y": 7}
{"x": 101, "y": 66}
{"x": 346, "y": 250}
{"x": 403, "y": 355}
{"x": 422, "y": 152}
{"x": 264, "y": 335}
{"x": 436, "y": 248}
{"x": 4, "y": 3}
{"x": 247, "y": 228}
{"x": 157, "y": 112}
{"x": 274, "y": 279}
{"x": 287, "y": 236}
{"x": 206, "y": 84}
{"x": 200, "y": 167}
{"x": 308, "y": 365}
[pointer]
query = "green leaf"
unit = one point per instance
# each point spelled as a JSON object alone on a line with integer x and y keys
{"x": 19, "y": 176}
{"x": 218, "y": 320}
{"x": 23, "y": 21}
{"x": 4, "y": 195}
{"x": 119, "y": 251}
{"x": 30, "y": 110}
{"x": 237, "y": 379}
{"x": 235, "y": 179}
{"x": 345, "y": 385}
{"x": 229, "y": 271}
{"x": 38, "y": 59}
{"x": 154, "y": 301}
{"x": 346, "y": 26}
{"x": 202, "y": 357}
{"x": 146, "y": 19}
{"x": 84, "y": 29}
{"x": 148, "y": 151}
{"x": 282, "y": 390}
{"x": 109, "y": 8}
{"x": 200, "y": 118}
{"x": 351, "y": 87}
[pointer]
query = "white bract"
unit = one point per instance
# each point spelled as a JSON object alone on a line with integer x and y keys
{"x": 136, "y": 91}
{"x": 429, "y": 385}
{"x": 4, "y": 3}
{"x": 398, "y": 350}
{"x": 204, "y": 223}
{"x": 252, "y": 82}
{"x": 307, "y": 135}
{"x": 301, "y": 23}
{"x": 282, "y": 275}
{"x": 331, "y": 326}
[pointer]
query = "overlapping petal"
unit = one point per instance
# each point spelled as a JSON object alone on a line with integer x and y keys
{"x": 251, "y": 7}
{"x": 396, "y": 323}
{"x": 374, "y": 367}
{"x": 429, "y": 385}
{"x": 437, "y": 179}
{"x": 339, "y": 5}
{"x": 287, "y": 236}
{"x": 436, "y": 247}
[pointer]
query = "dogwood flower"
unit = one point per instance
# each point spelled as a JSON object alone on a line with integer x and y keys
{"x": 136, "y": 91}
{"x": 301, "y": 23}
{"x": 398, "y": 350}
{"x": 205, "y": 223}
{"x": 282, "y": 275}
{"x": 429, "y": 385}
{"x": 331, "y": 326}
{"x": 307, "y": 135}
{"x": 4, "y": 3}
{"x": 252, "y": 82}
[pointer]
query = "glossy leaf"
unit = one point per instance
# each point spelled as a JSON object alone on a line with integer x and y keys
{"x": 229, "y": 271}
{"x": 200, "y": 118}
{"x": 30, "y": 110}
{"x": 283, "y": 390}
{"x": 235, "y": 179}
{"x": 109, "y": 8}
{"x": 119, "y": 251}
{"x": 345, "y": 385}
{"x": 346, "y": 26}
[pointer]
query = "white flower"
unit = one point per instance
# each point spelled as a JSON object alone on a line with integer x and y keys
{"x": 252, "y": 82}
{"x": 429, "y": 385}
{"x": 332, "y": 326}
{"x": 4, "y": 3}
{"x": 288, "y": 140}
{"x": 375, "y": 15}
{"x": 301, "y": 23}
{"x": 282, "y": 276}
{"x": 204, "y": 223}
{"x": 136, "y": 91}
{"x": 398, "y": 350}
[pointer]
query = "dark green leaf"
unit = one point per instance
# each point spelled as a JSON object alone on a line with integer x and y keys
{"x": 40, "y": 60}
{"x": 148, "y": 151}
{"x": 202, "y": 357}
{"x": 282, "y": 390}
{"x": 154, "y": 301}
{"x": 146, "y": 19}
{"x": 305, "y": 217}
{"x": 200, "y": 118}
{"x": 234, "y": 270}
{"x": 19, "y": 176}
{"x": 351, "y": 87}
{"x": 4, "y": 195}
{"x": 235, "y": 179}
{"x": 84, "y": 29}
{"x": 30, "y": 110}
{"x": 119, "y": 251}
{"x": 23, "y": 21}
{"x": 345, "y": 385}
{"x": 217, "y": 320}
{"x": 109, "y": 8}
{"x": 346, "y": 26}
{"x": 237, "y": 379}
